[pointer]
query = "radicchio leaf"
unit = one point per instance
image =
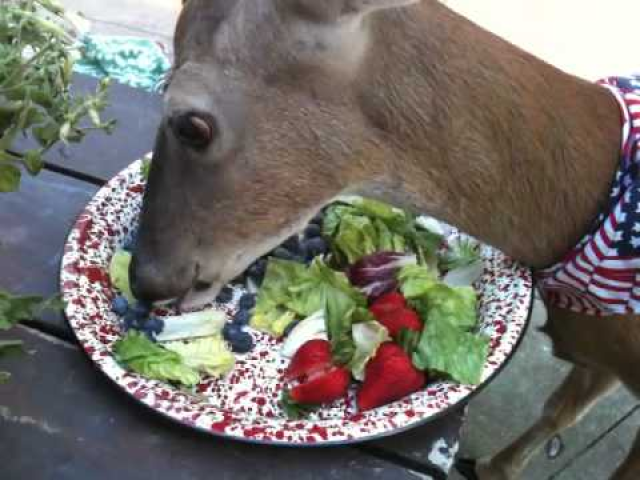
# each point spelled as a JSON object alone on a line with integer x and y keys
{"x": 376, "y": 274}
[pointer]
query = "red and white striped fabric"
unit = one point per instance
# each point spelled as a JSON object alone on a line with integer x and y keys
{"x": 601, "y": 275}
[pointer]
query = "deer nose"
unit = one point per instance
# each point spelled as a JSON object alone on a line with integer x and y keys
{"x": 151, "y": 282}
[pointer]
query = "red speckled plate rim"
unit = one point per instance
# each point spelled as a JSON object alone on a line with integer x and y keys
{"x": 75, "y": 316}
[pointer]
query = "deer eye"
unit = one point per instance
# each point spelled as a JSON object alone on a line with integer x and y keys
{"x": 196, "y": 130}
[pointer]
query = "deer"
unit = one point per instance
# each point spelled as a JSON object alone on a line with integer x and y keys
{"x": 275, "y": 108}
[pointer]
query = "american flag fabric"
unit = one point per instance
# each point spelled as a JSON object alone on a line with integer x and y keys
{"x": 601, "y": 275}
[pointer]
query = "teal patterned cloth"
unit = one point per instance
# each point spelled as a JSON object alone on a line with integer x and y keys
{"x": 134, "y": 61}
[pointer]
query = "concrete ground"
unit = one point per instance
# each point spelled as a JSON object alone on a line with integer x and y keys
{"x": 583, "y": 38}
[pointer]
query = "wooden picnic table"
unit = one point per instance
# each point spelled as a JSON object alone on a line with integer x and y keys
{"x": 61, "y": 419}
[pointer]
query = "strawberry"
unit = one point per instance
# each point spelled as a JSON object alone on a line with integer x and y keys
{"x": 387, "y": 303}
{"x": 396, "y": 320}
{"x": 389, "y": 376}
{"x": 312, "y": 357}
{"x": 322, "y": 388}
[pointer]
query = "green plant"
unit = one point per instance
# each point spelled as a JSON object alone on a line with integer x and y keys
{"x": 36, "y": 63}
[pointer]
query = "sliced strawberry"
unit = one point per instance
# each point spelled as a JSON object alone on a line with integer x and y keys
{"x": 312, "y": 357}
{"x": 389, "y": 376}
{"x": 397, "y": 320}
{"x": 323, "y": 388}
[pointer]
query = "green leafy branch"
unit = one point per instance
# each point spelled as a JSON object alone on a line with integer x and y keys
{"x": 36, "y": 64}
{"x": 14, "y": 310}
{"x": 37, "y": 48}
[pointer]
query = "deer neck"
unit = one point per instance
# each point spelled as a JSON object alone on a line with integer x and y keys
{"x": 486, "y": 137}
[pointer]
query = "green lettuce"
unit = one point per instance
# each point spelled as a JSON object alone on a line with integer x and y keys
{"x": 367, "y": 337}
{"x": 342, "y": 305}
{"x": 447, "y": 344}
{"x": 461, "y": 253}
{"x": 119, "y": 273}
{"x": 209, "y": 355}
{"x": 416, "y": 280}
{"x": 273, "y": 313}
{"x": 363, "y": 226}
{"x": 447, "y": 349}
{"x": 141, "y": 355}
{"x": 291, "y": 290}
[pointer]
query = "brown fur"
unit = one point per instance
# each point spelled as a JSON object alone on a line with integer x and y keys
{"x": 416, "y": 105}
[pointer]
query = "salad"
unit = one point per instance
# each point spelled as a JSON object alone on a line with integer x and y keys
{"x": 367, "y": 297}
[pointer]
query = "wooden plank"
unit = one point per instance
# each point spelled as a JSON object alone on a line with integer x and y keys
{"x": 61, "y": 419}
{"x": 433, "y": 446}
{"x": 34, "y": 225}
{"x": 99, "y": 155}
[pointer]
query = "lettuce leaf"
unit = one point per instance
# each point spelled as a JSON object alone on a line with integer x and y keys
{"x": 192, "y": 325}
{"x": 141, "y": 355}
{"x": 447, "y": 349}
{"x": 416, "y": 280}
{"x": 363, "y": 226}
{"x": 342, "y": 305}
{"x": 446, "y": 344}
{"x": 461, "y": 252}
{"x": 209, "y": 355}
{"x": 291, "y": 290}
{"x": 274, "y": 312}
{"x": 367, "y": 337}
{"x": 457, "y": 305}
{"x": 119, "y": 273}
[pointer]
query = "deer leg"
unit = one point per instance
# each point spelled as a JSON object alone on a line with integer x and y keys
{"x": 580, "y": 390}
{"x": 630, "y": 468}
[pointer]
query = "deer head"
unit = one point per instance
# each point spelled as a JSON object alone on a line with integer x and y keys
{"x": 262, "y": 127}
{"x": 277, "y": 107}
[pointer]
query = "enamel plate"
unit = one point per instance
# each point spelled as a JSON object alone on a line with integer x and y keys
{"x": 244, "y": 405}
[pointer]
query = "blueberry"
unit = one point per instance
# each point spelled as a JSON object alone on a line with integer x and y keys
{"x": 317, "y": 220}
{"x": 242, "y": 343}
{"x": 129, "y": 321}
{"x": 247, "y": 301}
{"x": 290, "y": 327}
{"x": 315, "y": 246}
{"x": 292, "y": 244}
{"x": 154, "y": 325}
{"x": 141, "y": 310}
{"x": 231, "y": 331}
{"x": 242, "y": 317}
{"x": 312, "y": 231}
{"x": 257, "y": 270}
{"x": 120, "y": 305}
{"x": 225, "y": 295}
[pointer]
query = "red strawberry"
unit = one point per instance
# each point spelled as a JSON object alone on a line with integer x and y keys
{"x": 312, "y": 357}
{"x": 397, "y": 320}
{"x": 389, "y": 376}
{"x": 387, "y": 303}
{"x": 322, "y": 388}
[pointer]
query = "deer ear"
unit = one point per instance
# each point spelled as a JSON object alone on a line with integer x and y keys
{"x": 334, "y": 10}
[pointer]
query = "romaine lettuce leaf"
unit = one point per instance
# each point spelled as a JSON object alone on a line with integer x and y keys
{"x": 209, "y": 355}
{"x": 364, "y": 226}
{"x": 455, "y": 304}
{"x": 416, "y": 280}
{"x": 447, "y": 349}
{"x": 367, "y": 337}
{"x": 273, "y": 312}
{"x": 291, "y": 290}
{"x": 119, "y": 273}
{"x": 141, "y": 355}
